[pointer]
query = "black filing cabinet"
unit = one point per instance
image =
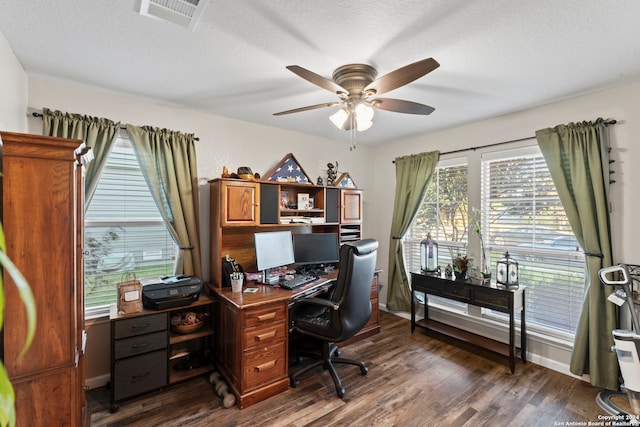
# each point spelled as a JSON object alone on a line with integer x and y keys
{"x": 139, "y": 355}
{"x": 148, "y": 353}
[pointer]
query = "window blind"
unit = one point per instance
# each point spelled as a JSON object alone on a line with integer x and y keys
{"x": 124, "y": 232}
{"x": 523, "y": 215}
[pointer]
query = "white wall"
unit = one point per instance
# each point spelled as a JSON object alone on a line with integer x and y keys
{"x": 13, "y": 90}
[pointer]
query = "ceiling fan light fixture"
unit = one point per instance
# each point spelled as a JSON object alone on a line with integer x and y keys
{"x": 362, "y": 113}
{"x": 339, "y": 118}
{"x": 363, "y": 125}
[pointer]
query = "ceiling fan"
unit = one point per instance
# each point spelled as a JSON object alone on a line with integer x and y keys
{"x": 356, "y": 85}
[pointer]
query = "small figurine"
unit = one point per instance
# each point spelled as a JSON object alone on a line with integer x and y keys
{"x": 332, "y": 173}
{"x": 448, "y": 271}
{"x": 319, "y": 181}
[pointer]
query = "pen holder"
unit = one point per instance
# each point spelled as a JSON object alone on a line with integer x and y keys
{"x": 236, "y": 282}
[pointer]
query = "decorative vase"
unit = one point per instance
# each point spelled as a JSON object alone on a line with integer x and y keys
{"x": 460, "y": 275}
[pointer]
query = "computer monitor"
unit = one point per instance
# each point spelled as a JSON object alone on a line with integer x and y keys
{"x": 273, "y": 249}
{"x": 314, "y": 249}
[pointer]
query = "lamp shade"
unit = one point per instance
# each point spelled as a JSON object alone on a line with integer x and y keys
{"x": 339, "y": 118}
{"x": 361, "y": 113}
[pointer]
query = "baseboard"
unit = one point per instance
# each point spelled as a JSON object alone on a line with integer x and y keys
{"x": 97, "y": 382}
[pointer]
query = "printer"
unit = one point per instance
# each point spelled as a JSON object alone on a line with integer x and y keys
{"x": 170, "y": 292}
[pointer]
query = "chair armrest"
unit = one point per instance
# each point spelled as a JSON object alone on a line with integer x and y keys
{"x": 317, "y": 301}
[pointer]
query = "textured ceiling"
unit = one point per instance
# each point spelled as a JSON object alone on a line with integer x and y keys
{"x": 496, "y": 56}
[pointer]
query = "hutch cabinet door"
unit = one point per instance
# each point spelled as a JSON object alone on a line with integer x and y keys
{"x": 240, "y": 203}
{"x": 351, "y": 212}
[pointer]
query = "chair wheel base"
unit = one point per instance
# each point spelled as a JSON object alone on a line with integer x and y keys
{"x": 341, "y": 392}
{"x": 364, "y": 370}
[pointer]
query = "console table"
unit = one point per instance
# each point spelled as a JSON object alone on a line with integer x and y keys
{"x": 478, "y": 293}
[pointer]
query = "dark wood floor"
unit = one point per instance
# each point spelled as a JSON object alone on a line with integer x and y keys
{"x": 413, "y": 380}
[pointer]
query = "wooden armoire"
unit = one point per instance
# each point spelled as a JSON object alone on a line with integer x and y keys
{"x": 42, "y": 216}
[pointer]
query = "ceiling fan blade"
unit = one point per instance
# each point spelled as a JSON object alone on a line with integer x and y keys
{"x": 310, "y": 107}
{"x": 318, "y": 80}
{"x": 401, "y": 76}
{"x": 401, "y": 106}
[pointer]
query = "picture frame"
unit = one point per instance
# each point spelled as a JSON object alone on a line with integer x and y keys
{"x": 303, "y": 201}
{"x": 345, "y": 181}
{"x": 284, "y": 200}
{"x": 288, "y": 170}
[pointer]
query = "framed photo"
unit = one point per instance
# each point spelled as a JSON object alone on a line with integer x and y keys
{"x": 303, "y": 200}
{"x": 311, "y": 203}
{"x": 284, "y": 200}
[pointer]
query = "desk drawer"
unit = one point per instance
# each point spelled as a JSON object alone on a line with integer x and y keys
{"x": 140, "y": 325}
{"x": 264, "y": 365}
{"x": 456, "y": 291}
{"x": 265, "y": 315}
{"x": 139, "y": 374}
{"x": 264, "y": 336}
{"x": 139, "y": 344}
{"x": 491, "y": 300}
{"x": 432, "y": 286}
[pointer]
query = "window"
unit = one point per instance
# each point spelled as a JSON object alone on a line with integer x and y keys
{"x": 443, "y": 212}
{"x": 520, "y": 213}
{"x": 124, "y": 231}
{"x": 526, "y": 218}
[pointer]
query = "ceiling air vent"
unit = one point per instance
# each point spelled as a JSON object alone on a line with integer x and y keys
{"x": 182, "y": 12}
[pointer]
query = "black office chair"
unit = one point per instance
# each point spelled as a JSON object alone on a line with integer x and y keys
{"x": 343, "y": 314}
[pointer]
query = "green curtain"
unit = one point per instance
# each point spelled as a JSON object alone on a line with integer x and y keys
{"x": 168, "y": 163}
{"x": 97, "y": 133}
{"x": 413, "y": 174}
{"x": 577, "y": 157}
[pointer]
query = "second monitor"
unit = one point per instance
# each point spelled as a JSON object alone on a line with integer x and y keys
{"x": 312, "y": 250}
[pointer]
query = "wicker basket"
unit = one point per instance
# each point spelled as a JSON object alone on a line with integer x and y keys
{"x": 187, "y": 329}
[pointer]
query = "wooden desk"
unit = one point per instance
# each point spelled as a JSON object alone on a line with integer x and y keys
{"x": 252, "y": 337}
{"x": 478, "y": 293}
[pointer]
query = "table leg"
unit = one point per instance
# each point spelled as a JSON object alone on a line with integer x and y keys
{"x": 512, "y": 338}
{"x": 413, "y": 310}
{"x": 523, "y": 331}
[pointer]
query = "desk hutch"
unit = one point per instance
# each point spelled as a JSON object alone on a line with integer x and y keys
{"x": 251, "y": 330}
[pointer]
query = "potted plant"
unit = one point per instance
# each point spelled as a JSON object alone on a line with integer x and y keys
{"x": 460, "y": 266}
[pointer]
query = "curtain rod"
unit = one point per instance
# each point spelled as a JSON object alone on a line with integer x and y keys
{"x": 606, "y": 123}
{"x": 40, "y": 115}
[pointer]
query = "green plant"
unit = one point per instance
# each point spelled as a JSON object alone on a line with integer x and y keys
{"x": 7, "y": 395}
{"x": 461, "y": 263}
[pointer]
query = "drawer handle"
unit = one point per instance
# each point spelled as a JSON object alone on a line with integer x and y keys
{"x": 265, "y": 336}
{"x": 267, "y": 316}
{"x": 140, "y": 376}
{"x": 141, "y": 345}
{"x": 140, "y": 325}
{"x": 265, "y": 366}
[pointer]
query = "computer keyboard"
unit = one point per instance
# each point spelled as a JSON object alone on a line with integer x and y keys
{"x": 297, "y": 281}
